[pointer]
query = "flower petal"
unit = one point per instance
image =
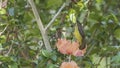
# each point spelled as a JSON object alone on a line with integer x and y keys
{"x": 71, "y": 64}
{"x": 78, "y": 53}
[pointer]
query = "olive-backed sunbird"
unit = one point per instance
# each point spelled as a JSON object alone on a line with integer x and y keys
{"x": 79, "y": 34}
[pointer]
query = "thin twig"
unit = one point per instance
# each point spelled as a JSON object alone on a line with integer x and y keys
{"x": 41, "y": 28}
{"x": 106, "y": 59}
{"x": 3, "y": 30}
{"x": 9, "y": 50}
{"x": 88, "y": 52}
{"x": 55, "y": 16}
{"x": 87, "y": 12}
{"x": 69, "y": 58}
{"x": 89, "y": 41}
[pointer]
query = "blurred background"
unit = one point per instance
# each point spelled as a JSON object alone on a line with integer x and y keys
{"x": 22, "y": 46}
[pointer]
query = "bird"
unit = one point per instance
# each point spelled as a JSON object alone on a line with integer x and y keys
{"x": 79, "y": 34}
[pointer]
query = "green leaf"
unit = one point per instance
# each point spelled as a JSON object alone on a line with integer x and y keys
{"x": 33, "y": 47}
{"x": 5, "y": 59}
{"x": 115, "y": 18}
{"x": 72, "y": 16}
{"x": 54, "y": 57}
{"x": 3, "y": 11}
{"x": 99, "y": 1}
{"x": 46, "y": 53}
{"x": 117, "y": 34}
{"x": 116, "y": 58}
{"x": 54, "y": 3}
{"x": 1, "y": 48}
{"x": 13, "y": 65}
{"x": 51, "y": 65}
{"x": 80, "y": 4}
{"x": 2, "y": 38}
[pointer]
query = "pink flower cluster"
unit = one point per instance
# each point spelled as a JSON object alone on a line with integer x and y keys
{"x": 70, "y": 64}
{"x": 70, "y": 48}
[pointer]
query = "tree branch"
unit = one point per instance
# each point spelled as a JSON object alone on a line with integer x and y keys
{"x": 39, "y": 22}
{"x": 55, "y": 16}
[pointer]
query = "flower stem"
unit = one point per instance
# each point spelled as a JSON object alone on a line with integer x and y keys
{"x": 69, "y": 58}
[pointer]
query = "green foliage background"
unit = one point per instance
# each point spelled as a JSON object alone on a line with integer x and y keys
{"x": 21, "y": 44}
